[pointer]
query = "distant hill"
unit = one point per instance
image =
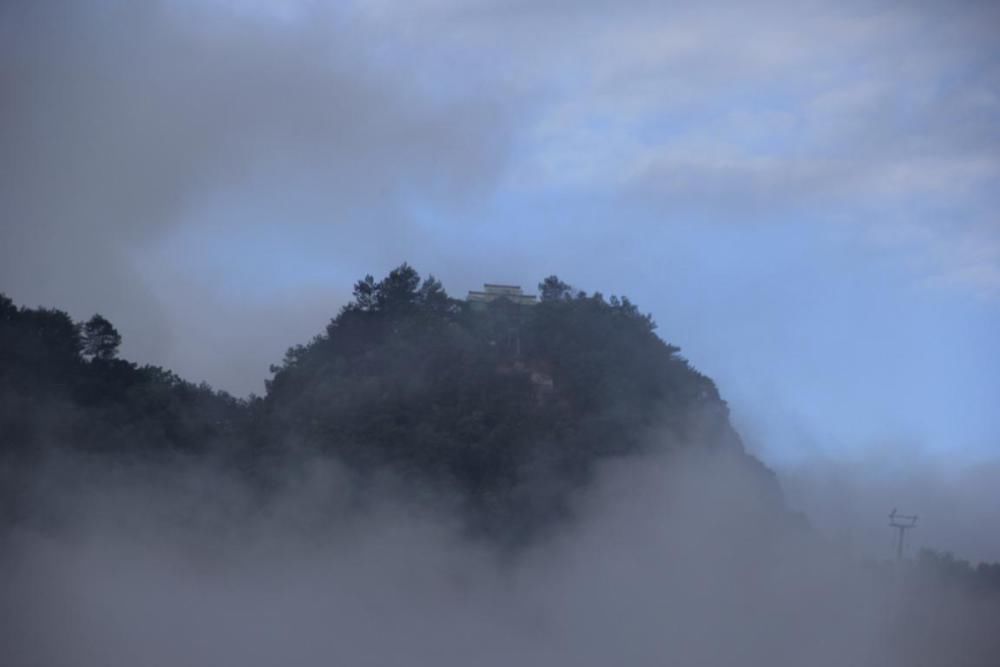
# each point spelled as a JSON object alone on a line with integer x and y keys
{"x": 507, "y": 403}
{"x": 62, "y": 385}
{"x": 511, "y": 403}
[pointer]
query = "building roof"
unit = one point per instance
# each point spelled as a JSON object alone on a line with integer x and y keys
{"x": 492, "y": 291}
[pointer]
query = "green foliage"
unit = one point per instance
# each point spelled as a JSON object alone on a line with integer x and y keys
{"x": 553, "y": 289}
{"x": 62, "y": 385}
{"x": 496, "y": 402}
{"x": 100, "y": 339}
{"x": 509, "y": 406}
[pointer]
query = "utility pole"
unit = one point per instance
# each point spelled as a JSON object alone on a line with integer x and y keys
{"x": 902, "y": 523}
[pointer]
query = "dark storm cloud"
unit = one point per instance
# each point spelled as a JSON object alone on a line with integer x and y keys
{"x": 119, "y": 119}
{"x": 121, "y": 122}
{"x": 212, "y": 176}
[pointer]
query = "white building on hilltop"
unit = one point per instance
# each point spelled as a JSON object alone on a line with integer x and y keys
{"x": 492, "y": 292}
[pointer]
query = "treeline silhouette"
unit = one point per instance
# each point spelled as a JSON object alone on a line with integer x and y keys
{"x": 508, "y": 407}
{"x": 958, "y": 573}
{"x": 62, "y": 385}
{"x": 510, "y": 404}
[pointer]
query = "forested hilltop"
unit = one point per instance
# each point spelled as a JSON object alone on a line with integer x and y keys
{"x": 510, "y": 405}
{"x": 506, "y": 407}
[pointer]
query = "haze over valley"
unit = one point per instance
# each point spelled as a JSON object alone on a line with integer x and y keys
{"x": 487, "y": 333}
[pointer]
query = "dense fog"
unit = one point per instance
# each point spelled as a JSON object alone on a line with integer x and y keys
{"x": 220, "y": 455}
{"x": 670, "y": 562}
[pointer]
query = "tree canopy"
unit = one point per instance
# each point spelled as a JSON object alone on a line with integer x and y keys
{"x": 509, "y": 406}
{"x": 100, "y": 339}
{"x": 489, "y": 401}
{"x": 62, "y": 385}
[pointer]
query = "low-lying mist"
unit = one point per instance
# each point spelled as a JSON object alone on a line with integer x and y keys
{"x": 847, "y": 501}
{"x": 668, "y": 561}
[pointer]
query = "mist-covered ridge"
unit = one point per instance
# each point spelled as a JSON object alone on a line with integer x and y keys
{"x": 495, "y": 480}
{"x": 504, "y": 405}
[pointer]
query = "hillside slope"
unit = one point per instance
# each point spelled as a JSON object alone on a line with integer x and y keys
{"x": 505, "y": 408}
{"x": 513, "y": 405}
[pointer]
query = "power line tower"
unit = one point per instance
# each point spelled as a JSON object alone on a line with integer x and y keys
{"x": 902, "y": 523}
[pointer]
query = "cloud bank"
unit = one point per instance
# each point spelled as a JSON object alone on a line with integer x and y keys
{"x": 123, "y": 120}
{"x": 672, "y": 561}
